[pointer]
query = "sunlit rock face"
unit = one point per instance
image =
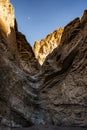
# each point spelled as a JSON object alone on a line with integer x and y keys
{"x": 47, "y": 45}
{"x": 7, "y": 16}
{"x": 7, "y": 23}
{"x": 54, "y": 93}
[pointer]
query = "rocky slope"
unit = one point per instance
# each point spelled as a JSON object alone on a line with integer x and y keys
{"x": 47, "y": 45}
{"x": 55, "y": 93}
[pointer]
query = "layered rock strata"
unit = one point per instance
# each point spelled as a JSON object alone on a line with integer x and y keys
{"x": 55, "y": 93}
{"x": 18, "y": 98}
{"x": 7, "y": 23}
{"x": 64, "y": 89}
{"x": 43, "y": 48}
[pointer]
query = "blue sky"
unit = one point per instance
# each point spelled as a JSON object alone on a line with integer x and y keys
{"x": 37, "y": 18}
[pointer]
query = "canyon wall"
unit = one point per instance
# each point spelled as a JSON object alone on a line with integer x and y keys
{"x": 64, "y": 89}
{"x": 54, "y": 93}
{"x": 17, "y": 69}
{"x": 43, "y": 48}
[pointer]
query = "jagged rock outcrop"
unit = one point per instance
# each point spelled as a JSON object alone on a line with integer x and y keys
{"x": 7, "y": 24}
{"x": 43, "y": 48}
{"x": 64, "y": 89}
{"x": 6, "y": 16}
{"x": 25, "y": 55}
{"x": 17, "y": 96}
{"x": 54, "y": 93}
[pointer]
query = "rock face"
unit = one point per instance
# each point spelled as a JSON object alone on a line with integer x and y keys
{"x": 7, "y": 23}
{"x": 47, "y": 45}
{"x": 7, "y": 16}
{"x": 17, "y": 95}
{"x": 54, "y": 93}
{"x": 25, "y": 55}
{"x": 64, "y": 88}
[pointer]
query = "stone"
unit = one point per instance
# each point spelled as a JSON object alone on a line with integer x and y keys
{"x": 47, "y": 45}
{"x": 25, "y": 55}
{"x": 53, "y": 93}
{"x": 64, "y": 88}
{"x": 16, "y": 80}
{"x": 7, "y": 16}
{"x": 7, "y": 23}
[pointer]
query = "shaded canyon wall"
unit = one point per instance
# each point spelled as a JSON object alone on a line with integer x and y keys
{"x": 54, "y": 93}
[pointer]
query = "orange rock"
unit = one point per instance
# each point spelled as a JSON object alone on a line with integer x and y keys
{"x": 47, "y": 45}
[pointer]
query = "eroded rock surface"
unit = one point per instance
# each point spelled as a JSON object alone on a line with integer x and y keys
{"x": 18, "y": 99}
{"x": 25, "y": 55}
{"x": 43, "y": 48}
{"x": 55, "y": 93}
{"x": 7, "y": 23}
{"x": 64, "y": 89}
